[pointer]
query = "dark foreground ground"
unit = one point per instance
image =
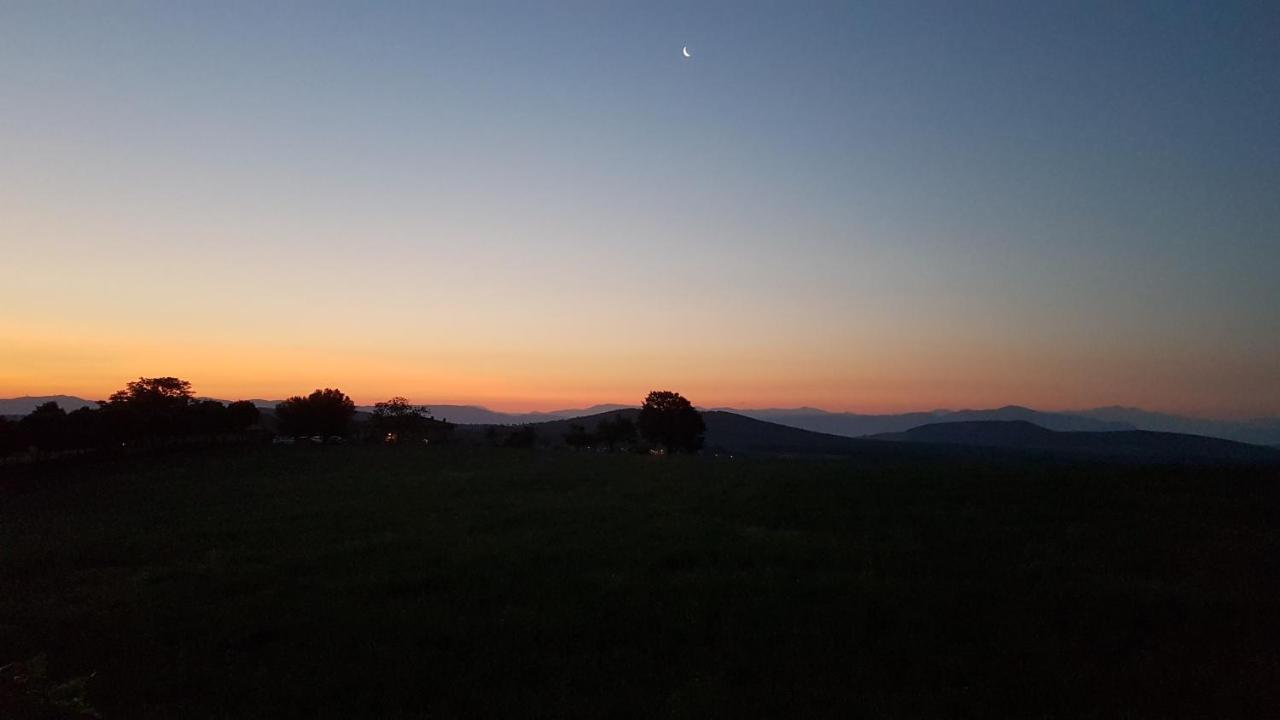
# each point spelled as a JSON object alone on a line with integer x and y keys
{"x": 358, "y": 582}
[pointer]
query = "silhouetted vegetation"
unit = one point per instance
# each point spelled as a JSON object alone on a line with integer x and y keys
{"x": 578, "y": 438}
{"x": 11, "y": 440}
{"x": 670, "y": 422}
{"x": 397, "y": 421}
{"x": 523, "y": 436}
{"x": 241, "y": 415}
{"x": 398, "y": 416}
{"x": 46, "y": 427}
{"x": 150, "y": 409}
{"x": 614, "y": 431}
{"x": 146, "y": 412}
{"x": 912, "y": 580}
{"x": 511, "y": 436}
{"x": 610, "y": 433}
{"x": 89, "y": 428}
{"x": 324, "y": 412}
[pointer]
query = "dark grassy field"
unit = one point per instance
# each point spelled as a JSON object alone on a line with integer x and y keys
{"x": 366, "y": 581}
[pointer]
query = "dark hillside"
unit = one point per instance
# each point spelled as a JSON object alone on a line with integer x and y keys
{"x": 1133, "y": 445}
{"x": 731, "y": 433}
{"x": 737, "y": 434}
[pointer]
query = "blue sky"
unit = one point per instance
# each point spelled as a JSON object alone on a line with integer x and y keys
{"x": 860, "y": 205}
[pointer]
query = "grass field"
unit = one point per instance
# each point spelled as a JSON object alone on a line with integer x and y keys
{"x": 388, "y": 582}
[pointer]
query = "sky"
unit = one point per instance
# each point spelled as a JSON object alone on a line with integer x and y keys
{"x": 865, "y": 206}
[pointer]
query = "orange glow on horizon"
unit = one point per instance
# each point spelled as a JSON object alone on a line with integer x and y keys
{"x": 532, "y": 375}
{"x": 243, "y": 373}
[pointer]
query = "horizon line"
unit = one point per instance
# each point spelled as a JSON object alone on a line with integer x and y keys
{"x": 554, "y": 409}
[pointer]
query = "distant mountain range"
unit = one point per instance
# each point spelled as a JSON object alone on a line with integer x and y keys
{"x": 477, "y": 415}
{"x": 1262, "y": 431}
{"x": 1140, "y": 445}
{"x": 733, "y": 433}
{"x": 25, "y": 404}
{"x": 726, "y": 432}
{"x": 856, "y": 425}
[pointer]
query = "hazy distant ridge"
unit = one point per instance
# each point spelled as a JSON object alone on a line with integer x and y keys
{"x": 728, "y": 432}
{"x": 479, "y": 415}
{"x": 1262, "y": 431}
{"x": 1144, "y": 445}
{"x": 27, "y": 403}
{"x": 858, "y": 425}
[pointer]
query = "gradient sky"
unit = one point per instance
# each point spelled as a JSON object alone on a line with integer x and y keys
{"x": 870, "y": 206}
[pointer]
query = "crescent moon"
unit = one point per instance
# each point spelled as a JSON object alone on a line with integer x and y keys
{"x": 686, "y": 51}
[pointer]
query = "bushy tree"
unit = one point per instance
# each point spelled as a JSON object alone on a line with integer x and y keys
{"x": 323, "y": 412}
{"x": 241, "y": 415}
{"x": 49, "y": 428}
{"x": 150, "y": 408}
{"x": 146, "y": 409}
{"x": 167, "y": 393}
{"x": 209, "y": 417}
{"x": 46, "y": 427}
{"x": 86, "y": 428}
{"x": 398, "y": 416}
{"x": 671, "y": 422}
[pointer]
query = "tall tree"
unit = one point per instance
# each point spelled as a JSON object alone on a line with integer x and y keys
{"x": 241, "y": 415}
{"x": 151, "y": 408}
{"x": 323, "y": 412}
{"x": 397, "y": 416}
{"x": 671, "y": 422}
{"x": 159, "y": 392}
{"x": 46, "y": 427}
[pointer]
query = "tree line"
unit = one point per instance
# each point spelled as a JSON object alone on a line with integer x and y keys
{"x": 150, "y": 412}
{"x": 667, "y": 422}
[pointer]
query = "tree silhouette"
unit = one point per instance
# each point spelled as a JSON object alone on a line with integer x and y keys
{"x": 11, "y": 440}
{"x": 45, "y": 427}
{"x": 399, "y": 417}
{"x": 669, "y": 421}
{"x": 241, "y": 415}
{"x": 87, "y": 428}
{"x": 209, "y": 417}
{"x": 161, "y": 392}
{"x": 150, "y": 408}
{"x": 323, "y": 412}
{"x": 146, "y": 410}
